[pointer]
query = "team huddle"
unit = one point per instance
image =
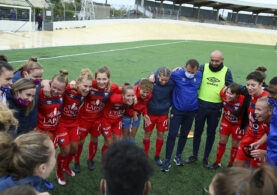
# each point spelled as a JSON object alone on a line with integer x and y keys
{"x": 67, "y": 112}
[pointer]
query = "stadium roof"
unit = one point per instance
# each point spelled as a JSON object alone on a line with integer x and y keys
{"x": 34, "y": 3}
{"x": 236, "y": 6}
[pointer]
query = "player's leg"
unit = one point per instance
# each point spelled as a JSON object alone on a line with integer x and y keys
{"x": 186, "y": 124}
{"x": 64, "y": 144}
{"x": 126, "y": 123}
{"x": 175, "y": 122}
{"x": 147, "y": 134}
{"x": 74, "y": 142}
{"x": 134, "y": 129}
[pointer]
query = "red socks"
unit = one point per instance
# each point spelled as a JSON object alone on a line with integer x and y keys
{"x": 159, "y": 145}
{"x": 233, "y": 155}
{"x": 146, "y": 143}
{"x": 220, "y": 151}
{"x": 79, "y": 152}
{"x": 68, "y": 160}
{"x": 92, "y": 150}
{"x": 60, "y": 162}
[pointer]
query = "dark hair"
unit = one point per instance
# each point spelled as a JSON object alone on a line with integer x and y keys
{"x": 193, "y": 63}
{"x": 4, "y": 64}
{"x": 235, "y": 88}
{"x": 126, "y": 169}
{"x": 3, "y": 58}
{"x": 273, "y": 81}
{"x": 256, "y": 76}
{"x": 238, "y": 180}
{"x": 20, "y": 190}
{"x": 103, "y": 69}
{"x": 262, "y": 70}
{"x": 127, "y": 87}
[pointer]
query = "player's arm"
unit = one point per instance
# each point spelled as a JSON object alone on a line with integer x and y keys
{"x": 260, "y": 142}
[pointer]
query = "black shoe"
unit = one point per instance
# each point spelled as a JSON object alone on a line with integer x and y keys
{"x": 230, "y": 165}
{"x": 215, "y": 166}
{"x": 206, "y": 163}
{"x": 191, "y": 159}
{"x": 91, "y": 165}
{"x": 77, "y": 168}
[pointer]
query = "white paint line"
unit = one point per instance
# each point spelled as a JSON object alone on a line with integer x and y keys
{"x": 105, "y": 51}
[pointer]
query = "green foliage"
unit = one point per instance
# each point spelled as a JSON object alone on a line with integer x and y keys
{"x": 69, "y": 9}
{"x": 129, "y": 65}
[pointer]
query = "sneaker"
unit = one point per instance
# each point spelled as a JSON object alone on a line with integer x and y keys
{"x": 178, "y": 161}
{"x": 77, "y": 168}
{"x": 215, "y": 166}
{"x": 91, "y": 165}
{"x": 69, "y": 172}
{"x": 48, "y": 185}
{"x": 60, "y": 178}
{"x": 166, "y": 166}
{"x": 206, "y": 163}
{"x": 191, "y": 159}
{"x": 159, "y": 162}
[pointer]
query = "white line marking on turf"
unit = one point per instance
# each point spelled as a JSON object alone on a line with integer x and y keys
{"x": 105, "y": 51}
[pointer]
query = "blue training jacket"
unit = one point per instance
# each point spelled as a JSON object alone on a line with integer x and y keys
{"x": 272, "y": 140}
{"x": 26, "y": 123}
{"x": 8, "y": 182}
{"x": 161, "y": 99}
{"x": 185, "y": 92}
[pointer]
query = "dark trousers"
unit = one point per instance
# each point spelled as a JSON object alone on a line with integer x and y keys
{"x": 177, "y": 118}
{"x": 211, "y": 113}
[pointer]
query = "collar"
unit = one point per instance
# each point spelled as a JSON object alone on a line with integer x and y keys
{"x": 216, "y": 69}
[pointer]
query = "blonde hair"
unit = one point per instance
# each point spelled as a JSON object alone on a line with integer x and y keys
{"x": 238, "y": 180}
{"x": 20, "y": 157}
{"x": 6, "y": 118}
{"x": 61, "y": 77}
{"x": 29, "y": 66}
{"x": 85, "y": 75}
{"x": 265, "y": 100}
{"x": 23, "y": 84}
{"x": 146, "y": 85}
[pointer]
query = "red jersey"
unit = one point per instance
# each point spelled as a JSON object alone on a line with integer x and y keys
{"x": 115, "y": 107}
{"x": 141, "y": 106}
{"x": 95, "y": 101}
{"x": 256, "y": 128}
{"x": 232, "y": 110}
{"x": 48, "y": 112}
{"x": 72, "y": 101}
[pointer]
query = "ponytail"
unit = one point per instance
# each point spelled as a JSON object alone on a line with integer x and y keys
{"x": 61, "y": 77}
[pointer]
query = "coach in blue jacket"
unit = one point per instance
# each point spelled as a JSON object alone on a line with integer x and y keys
{"x": 215, "y": 77}
{"x": 185, "y": 104}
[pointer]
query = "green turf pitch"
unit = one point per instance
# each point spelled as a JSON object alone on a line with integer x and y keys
{"x": 131, "y": 61}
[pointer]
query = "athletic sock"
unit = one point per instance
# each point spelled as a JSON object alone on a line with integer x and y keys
{"x": 92, "y": 149}
{"x": 159, "y": 145}
{"x": 60, "y": 163}
{"x": 79, "y": 152}
{"x": 146, "y": 144}
{"x": 220, "y": 151}
{"x": 233, "y": 155}
{"x": 68, "y": 160}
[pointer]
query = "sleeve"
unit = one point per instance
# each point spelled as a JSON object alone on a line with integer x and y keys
{"x": 174, "y": 75}
{"x": 201, "y": 68}
{"x": 199, "y": 76}
{"x": 116, "y": 98}
{"x": 228, "y": 78}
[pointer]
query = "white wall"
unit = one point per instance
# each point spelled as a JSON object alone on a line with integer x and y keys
{"x": 9, "y": 25}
